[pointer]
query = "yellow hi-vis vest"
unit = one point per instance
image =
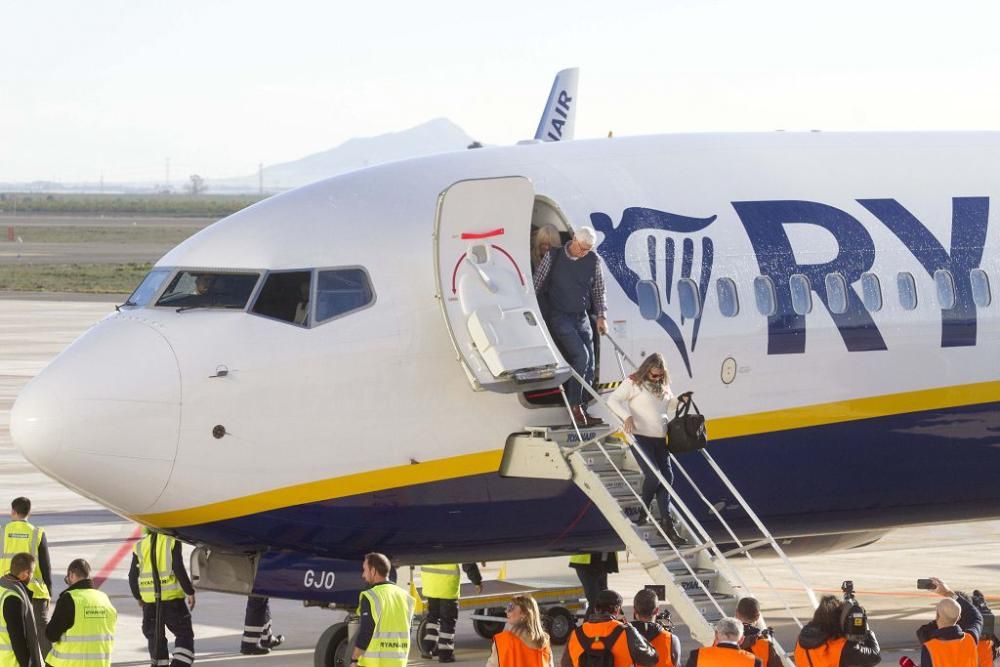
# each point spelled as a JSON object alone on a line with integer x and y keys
{"x": 580, "y": 559}
{"x": 7, "y": 658}
{"x": 88, "y": 642}
{"x": 170, "y": 588}
{"x": 441, "y": 581}
{"x": 392, "y": 612}
{"x": 21, "y": 537}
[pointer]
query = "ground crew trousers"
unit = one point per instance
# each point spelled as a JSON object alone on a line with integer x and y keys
{"x": 439, "y": 638}
{"x": 41, "y": 609}
{"x": 593, "y": 581}
{"x": 177, "y": 620}
{"x": 257, "y": 622}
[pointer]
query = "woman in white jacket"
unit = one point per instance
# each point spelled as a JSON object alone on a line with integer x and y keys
{"x": 644, "y": 402}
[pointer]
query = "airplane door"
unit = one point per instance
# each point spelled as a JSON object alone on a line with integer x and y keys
{"x": 482, "y": 245}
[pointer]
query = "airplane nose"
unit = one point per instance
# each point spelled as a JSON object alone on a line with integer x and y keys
{"x": 104, "y": 417}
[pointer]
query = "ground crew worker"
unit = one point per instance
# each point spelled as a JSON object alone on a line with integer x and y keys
{"x": 726, "y": 652}
{"x": 386, "y": 612}
{"x": 756, "y": 640}
{"x": 593, "y": 570}
{"x": 20, "y": 536}
{"x": 645, "y": 607}
{"x": 441, "y": 584}
{"x": 952, "y": 639}
{"x": 605, "y": 633}
{"x": 164, "y": 552}
{"x": 18, "y": 642}
{"x": 82, "y": 629}
{"x": 822, "y": 642}
{"x": 257, "y": 636}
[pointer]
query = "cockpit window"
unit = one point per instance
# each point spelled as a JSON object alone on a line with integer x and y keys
{"x": 208, "y": 289}
{"x": 148, "y": 288}
{"x": 285, "y": 296}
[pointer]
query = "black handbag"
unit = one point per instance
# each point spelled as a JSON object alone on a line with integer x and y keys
{"x": 686, "y": 431}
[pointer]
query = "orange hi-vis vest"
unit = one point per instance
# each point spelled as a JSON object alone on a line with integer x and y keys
{"x": 513, "y": 652}
{"x": 722, "y": 656}
{"x": 986, "y": 652}
{"x": 762, "y": 649}
{"x": 623, "y": 658}
{"x": 953, "y": 652}
{"x": 663, "y": 643}
{"x": 827, "y": 655}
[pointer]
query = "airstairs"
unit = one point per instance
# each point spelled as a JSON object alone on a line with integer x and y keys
{"x": 698, "y": 578}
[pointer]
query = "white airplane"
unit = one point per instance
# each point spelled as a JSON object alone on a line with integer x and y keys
{"x": 346, "y": 372}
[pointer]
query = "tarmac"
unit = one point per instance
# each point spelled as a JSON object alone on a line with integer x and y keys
{"x": 34, "y": 329}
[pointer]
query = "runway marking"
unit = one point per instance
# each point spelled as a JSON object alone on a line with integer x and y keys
{"x": 116, "y": 558}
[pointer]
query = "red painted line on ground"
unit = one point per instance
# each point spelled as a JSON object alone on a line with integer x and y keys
{"x": 484, "y": 235}
{"x": 117, "y": 557}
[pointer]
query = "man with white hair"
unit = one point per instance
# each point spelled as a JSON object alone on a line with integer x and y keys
{"x": 952, "y": 638}
{"x": 726, "y": 652}
{"x": 571, "y": 282}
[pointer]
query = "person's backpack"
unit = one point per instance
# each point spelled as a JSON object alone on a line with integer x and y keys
{"x": 597, "y": 651}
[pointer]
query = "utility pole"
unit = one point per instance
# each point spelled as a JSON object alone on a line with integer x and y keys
{"x": 260, "y": 178}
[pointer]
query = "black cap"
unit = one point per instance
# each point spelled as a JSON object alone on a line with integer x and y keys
{"x": 607, "y": 600}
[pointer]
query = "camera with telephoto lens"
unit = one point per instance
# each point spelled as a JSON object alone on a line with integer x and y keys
{"x": 663, "y": 620}
{"x": 853, "y": 618}
{"x": 989, "y": 621}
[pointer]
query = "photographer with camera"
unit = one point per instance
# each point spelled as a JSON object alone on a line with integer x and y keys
{"x": 838, "y": 635}
{"x": 655, "y": 628}
{"x": 989, "y": 643}
{"x": 756, "y": 639}
{"x": 952, "y": 638}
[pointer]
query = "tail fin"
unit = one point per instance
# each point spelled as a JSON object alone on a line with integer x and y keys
{"x": 558, "y": 122}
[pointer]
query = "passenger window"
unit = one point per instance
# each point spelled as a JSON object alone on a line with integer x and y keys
{"x": 763, "y": 291}
{"x": 907, "y": 287}
{"x": 148, "y": 288}
{"x": 801, "y": 294}
{"x": 729, "y": 300}
{"x": 285, "y": 297}
{"x": 340, "y": 291}
{"x": 981, "y": 295}
{"x": 945, "y": 284}
{"x": 209, "y": 289}
{"x": 836, "y": 293}
{"x": 648, "y": 296}
{"x": 687, "y": 291}
{"x": 871, "y": 292}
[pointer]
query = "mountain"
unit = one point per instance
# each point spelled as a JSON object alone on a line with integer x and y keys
{"x": 436, "y": 136}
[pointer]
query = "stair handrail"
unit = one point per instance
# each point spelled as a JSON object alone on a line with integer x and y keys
{"x": 621, "y": 475}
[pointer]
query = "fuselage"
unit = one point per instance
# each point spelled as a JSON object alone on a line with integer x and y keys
{"x": 363, "y": 433}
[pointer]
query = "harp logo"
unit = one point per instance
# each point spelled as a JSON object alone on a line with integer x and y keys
{"x": 663, "y": 248}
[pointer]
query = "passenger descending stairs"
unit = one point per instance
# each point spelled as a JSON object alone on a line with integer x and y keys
{"x": 699, "y": 581}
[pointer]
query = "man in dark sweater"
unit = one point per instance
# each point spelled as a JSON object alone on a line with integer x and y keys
{"x": 571, "y": 282}
{"x": 954, "y": 633}
{"x": 18, "y": 617}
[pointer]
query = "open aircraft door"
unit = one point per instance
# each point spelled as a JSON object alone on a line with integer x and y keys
{"x": 482, "y": 244}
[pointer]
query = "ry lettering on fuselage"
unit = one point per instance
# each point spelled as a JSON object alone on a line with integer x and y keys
{"x": 765, "y": 225}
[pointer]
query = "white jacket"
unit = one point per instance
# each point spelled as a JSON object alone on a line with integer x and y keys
{"x": 650, "y": 413}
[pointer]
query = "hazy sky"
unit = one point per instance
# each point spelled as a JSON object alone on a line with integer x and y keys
{"x": 116, "y": 87}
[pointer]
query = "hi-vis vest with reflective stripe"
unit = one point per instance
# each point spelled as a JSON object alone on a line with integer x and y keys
{"x": 22, "y": 537}
{"x": 170, "y": 588}
{"x": 392, "y": 613}
{"x": 580, "y": 559}
{"x": 953, "y": 652}
{"x": 89, "y": 641}
{"x": 442, "y": 582}
{"x": 7, "y": 658}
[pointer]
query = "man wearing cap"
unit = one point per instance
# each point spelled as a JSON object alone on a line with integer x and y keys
{"x": 606, "y": 630}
